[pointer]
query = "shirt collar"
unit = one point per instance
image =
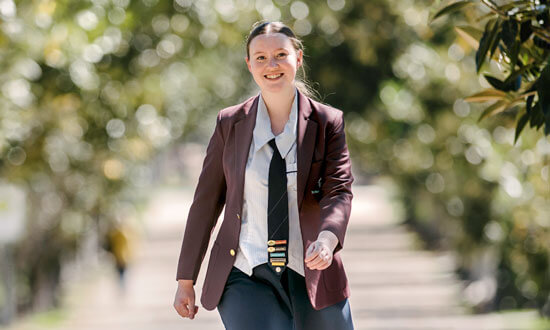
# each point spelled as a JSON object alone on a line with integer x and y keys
{"x": 262, "y": 130}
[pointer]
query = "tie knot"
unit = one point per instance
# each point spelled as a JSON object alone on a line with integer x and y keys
{"x": 272, "y": 144}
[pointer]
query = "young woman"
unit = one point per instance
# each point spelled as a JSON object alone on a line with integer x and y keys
{"x": 280, "y": 164}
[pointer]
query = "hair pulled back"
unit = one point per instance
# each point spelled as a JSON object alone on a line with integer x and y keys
{"x": 266, "y": 27}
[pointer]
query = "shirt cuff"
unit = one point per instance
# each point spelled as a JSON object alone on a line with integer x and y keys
{"x": 329, "y": 238}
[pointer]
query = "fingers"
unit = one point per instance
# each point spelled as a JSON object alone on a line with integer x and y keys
{"x": 318, "y": 257}
{"x": 319, "y": 264}
{"x": 312, "y": 252}
{"x": 185, "y": 309}
{"x": 185, "y": 304}
{"x": 192, "y": 308}
{"x": 181, "y": 309}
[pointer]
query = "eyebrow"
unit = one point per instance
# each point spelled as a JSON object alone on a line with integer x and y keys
{"x": 275, "y": 50}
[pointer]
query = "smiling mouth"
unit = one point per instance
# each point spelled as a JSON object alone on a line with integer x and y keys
{"x": 273, "y": 76}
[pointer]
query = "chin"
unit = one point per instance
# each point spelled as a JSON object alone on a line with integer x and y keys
{"x": 275, "y": 88}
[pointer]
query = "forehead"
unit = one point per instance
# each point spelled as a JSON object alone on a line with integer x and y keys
{"x": 270, "y": 41}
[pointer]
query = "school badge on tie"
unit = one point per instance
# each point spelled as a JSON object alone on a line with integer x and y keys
{"x": 277, "y": 254}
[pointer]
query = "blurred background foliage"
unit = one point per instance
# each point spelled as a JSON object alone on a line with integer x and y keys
{"x": 96, "y": 95}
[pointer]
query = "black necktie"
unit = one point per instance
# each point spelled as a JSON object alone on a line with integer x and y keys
{"x": 277, "y": 212}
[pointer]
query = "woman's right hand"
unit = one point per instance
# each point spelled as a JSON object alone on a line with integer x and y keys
{"x": 184, "y": 302}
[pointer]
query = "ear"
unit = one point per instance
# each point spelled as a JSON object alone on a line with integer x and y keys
{"x": 247, "y": 63}
{"x": 299, "y": 58}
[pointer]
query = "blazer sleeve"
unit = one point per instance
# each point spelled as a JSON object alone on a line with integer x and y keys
{"x": 207, "y": 205}
{"x": 336, "y": 190}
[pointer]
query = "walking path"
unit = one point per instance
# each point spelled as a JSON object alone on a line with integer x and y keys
{"x": 394, "y": 285}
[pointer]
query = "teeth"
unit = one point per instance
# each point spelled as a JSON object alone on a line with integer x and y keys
{"x": 273, "y": 76}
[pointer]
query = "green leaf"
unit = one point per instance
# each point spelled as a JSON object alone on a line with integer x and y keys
{"x": 495, "y": 108}
{"x": 543, "y": 90}
{"x": 536, "y": 119}
{"x": 515, "y": 4}
{"x": 510, "y": 30}
{"x": 499, "y": 106}
{"x": 451, "y": 8}
{"x": 520, "y": 125}
{"x": 487, "y": 95}
{"x": 541, "y": 43}
{"x": 528, "y": 103}
{"x": 484, "y": 44}
{"x": 516, "y": 85}
{"x": 470, "y": 34}
{"x": 511, "y": 83}
{"x": 516, "y": 74}
{"x": 501, "y": 85}
{"x": 514, "y": 54}
{"x": 511, "y": 39}
{"x": 525, "y": 31}
{"x": 496, "y": 35}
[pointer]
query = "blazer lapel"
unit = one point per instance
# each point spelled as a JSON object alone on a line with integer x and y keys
{"x": 243, "y": 130}
{"x": 307, "y": 130}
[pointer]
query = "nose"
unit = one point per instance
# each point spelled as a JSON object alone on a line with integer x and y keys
{"x": 273, "y": 62}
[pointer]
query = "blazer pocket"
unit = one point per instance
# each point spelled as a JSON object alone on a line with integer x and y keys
{"x": 211, "y": 265}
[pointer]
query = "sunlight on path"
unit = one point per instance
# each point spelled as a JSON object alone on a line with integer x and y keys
{"x": 394, "y": 285}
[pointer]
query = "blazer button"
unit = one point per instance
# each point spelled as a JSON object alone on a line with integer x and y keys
{"x": 238, "y": 216}
{"x": 232, "y": 252}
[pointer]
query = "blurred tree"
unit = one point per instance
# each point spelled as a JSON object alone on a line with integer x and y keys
{"x": 91, "y": 91}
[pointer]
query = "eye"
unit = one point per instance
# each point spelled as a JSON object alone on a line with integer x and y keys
{"x": 282, "y": 54}
{"x": 261, "y": 57}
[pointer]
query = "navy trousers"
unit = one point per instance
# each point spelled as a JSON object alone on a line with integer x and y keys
{"x": 265, "y": 301}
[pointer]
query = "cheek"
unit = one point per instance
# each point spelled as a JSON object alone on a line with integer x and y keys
{"x": 257, "y": 69}
{"x": 291, "y": 68}
{"x": 291, "y": 64}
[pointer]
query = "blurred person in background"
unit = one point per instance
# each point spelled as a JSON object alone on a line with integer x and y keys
{"x": 280, "y": 164}
{"x": 120, "y": 244}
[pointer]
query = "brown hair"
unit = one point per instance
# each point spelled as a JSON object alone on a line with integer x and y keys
{"x": 265, "y": 27}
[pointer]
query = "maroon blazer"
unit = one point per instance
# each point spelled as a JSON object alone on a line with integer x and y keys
{"x": 324, "y": 197}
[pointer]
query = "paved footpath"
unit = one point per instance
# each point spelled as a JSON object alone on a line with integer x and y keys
{"x": 394, "y": 285}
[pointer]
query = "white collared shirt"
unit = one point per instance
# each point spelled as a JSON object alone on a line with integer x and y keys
{"x": 252, "y": 249}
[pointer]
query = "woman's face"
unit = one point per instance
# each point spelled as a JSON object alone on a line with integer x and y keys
{"x": 273, "y": 61}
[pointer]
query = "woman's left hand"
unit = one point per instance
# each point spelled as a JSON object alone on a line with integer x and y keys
{"x": 319, "y": 253}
